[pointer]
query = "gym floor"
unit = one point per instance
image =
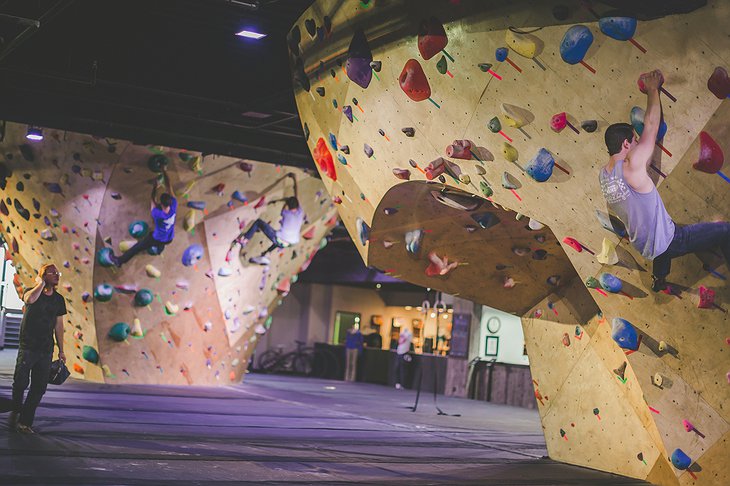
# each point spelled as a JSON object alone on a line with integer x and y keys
{"x": 276, "y": 430}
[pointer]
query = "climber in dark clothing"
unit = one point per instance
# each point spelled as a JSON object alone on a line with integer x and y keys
{"x": 632, "y": 196}
{"x": 163, "y": 214}
{"x": 43, "y": 317}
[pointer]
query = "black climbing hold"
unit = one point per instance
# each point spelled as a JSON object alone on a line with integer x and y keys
{"x": 485, "y": 220}
{"x": 413, "y": 163}
{"x": 442, "y": 179}
{"x": 20, "y": 187}
{"x": 4, "y": 208}
{"x": 354, "y": 101}
{"x": 53, "y": 187}
{"x": 442, "y": 65}
{"x": 77, "y": 156}
{"x": 76, "y": 169}
{"x": 561, "y": 12}
{"x": 157, "y": 162}
{"x": 293, "y": 39}
{"x": 539, "y": 254}
{"x": 409, "y": 131}
{"x": 368, "y": 150}
{"x": 311, "y": 27}
{"x": 300, "y": 75}
{"x": 320, "y": 33}
{"x": 485, "y": 66}
{"x": 320, "y": 90}
{"x": 376, "y": 66}
{"x": 333, "y": 73}
{"x": 381, "y": 132}
{"x": 345, "y": 149}
{"x": 27, "y": 152}
{"x": 24, "y": 213}
{"x": 306, "y": 132}
{"x": 589, "y": 126}
{"x": 327, "y": 24}
{"x": 26, "y": 176}
{"x": 116, "y": 196}
{"x": 36, "y": 204}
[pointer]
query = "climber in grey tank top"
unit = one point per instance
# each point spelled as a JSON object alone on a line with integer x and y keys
{"x": 632, "y": 196}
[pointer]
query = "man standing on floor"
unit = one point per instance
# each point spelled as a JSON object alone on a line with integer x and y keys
{"x": 163, "y": 215}
{"x": 632, "y": 196}
{"x": 292, "y": 219}
{"x": 43, "y": 317}
{"x": 353, "y": 348}
{"x": 404, "y": 346}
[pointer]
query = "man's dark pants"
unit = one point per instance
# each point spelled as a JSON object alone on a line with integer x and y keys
{"x": 694, "y": 238}
{"x": 144, "y": 244}
{"x": 32, "y": 367}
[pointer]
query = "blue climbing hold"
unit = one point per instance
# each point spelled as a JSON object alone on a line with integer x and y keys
{"x": 624, "y": 333}
{"x": 501, "y": 54}
{"x": 238, "y": 196}
{"x": 680, "y": 460}
{"x": 363, "y": 231}
{"x": 637, "y": 121}
{"x": 90, "y": 354}
{"x": 341, "y": 159}
{"x": 333, "y": 141}
{"x": 610, "y": 283}
{"x": 119, "y": 331}
{"x": 619, "y": 28}
{"x": 541, "y": 166}
{"x": 575, "y": 44}
{"x": 197, "y": 205}
{"x": 192, "y": 254}
{"x": 103, "y": 257}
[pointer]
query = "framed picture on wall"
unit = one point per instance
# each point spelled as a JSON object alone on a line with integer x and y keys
{"x": 491, "y": 347}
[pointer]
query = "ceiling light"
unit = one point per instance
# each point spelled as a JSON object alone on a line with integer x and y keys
{"x": 433, "y": 314}
{"x": 250, "y": 34}
{"x": 408, "y": 307}
{"x": 445, "y": 316}
{"x": 34, "y": 133}
{"x": 377, "y": 286}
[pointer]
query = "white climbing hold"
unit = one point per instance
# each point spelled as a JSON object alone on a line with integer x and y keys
{"x": 535, "y": 225}
{"x": 608, "y": 255}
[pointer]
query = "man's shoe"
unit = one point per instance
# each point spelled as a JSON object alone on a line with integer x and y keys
{"x": 24, "y": 429}
{"x": 658, "y": 284}
{"x": 397, "y": 386}
{"x": 260, "y": 260}
{"x": 13, "y": 419}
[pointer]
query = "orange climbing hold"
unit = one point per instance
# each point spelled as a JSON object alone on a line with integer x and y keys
{"x": 324, "y": 159}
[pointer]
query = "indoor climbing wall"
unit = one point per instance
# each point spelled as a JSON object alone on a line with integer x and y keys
{"x": 509, "y": 102}
{"x": 190, "y": 315}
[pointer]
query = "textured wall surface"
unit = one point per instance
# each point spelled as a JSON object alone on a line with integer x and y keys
{"x": 71, "y": 195}
{"x": 386, "y": 92}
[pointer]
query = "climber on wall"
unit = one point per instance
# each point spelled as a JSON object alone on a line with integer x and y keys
{"x": 163, "y": 214}
{"x": 632, "y": 196}
{"x": 292, "y": 219}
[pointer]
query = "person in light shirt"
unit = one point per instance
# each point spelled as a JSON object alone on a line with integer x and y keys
{"x": 404, "y": 346}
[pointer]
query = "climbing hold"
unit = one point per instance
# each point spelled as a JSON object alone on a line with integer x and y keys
{"x": 341, "y": 159}
{"x": 553, "y": 280}
{"x": 515, "y": 116}
{"x": 200, "y": 205}
{"x": 439, "y": 266}
{"x": 575, "y": 44}
{"x": 409, "y": 131}
{"x": 719, "y": 83}
{"x": 486, "y": 189}
{"x": 508, "y": 282}
{"x": 510, "y": 153}
{"x": 311, "y": 27}
{"x": 90, "y": 354}
{"x": 363, "y": 231}
{"x": 435, "y": 168}
{"x": 237, "y": 196}
{"x": 610, "y": 283}
{"x": 24, "y": 213}
{"x": 573, "y": 243}
{"x": 711, "y": 156}
{"x": 566, "y": 339}
{"x": 539, "y": 254}
{"x": 442, "y": 66}
{"x": 306, "y": 131}
{"x": 526, "y": 45}
{"x": 413, "y": 81}
{"x": 480, "y": 170}
{"x": 368, "y": 150}
{"x": 333, "y": 141}
{"x": 119, "y": 331}
{"x": 171, "y": 309}
{"x": 637, "y": 121}
{"x": 593, "y": 283}
{"x": 541, "y": 166}
{"x": 27, "y": 152}
{"x": 707, "y": 298}
{"x": 624, "y": 333}
{"x": 485, "y": 220}
{"x": 157, "y": 162}
{"x": 521, "y": 250}
{"x": 535, "y": 225}
{"x": 143, "y": 297}
{"x": 608, "y": 255}
{"x": 189, "y": 221}
{"x": 509, "y": 182}
{"x": 680, "y": 460}
{"x": 414, "y": 239}
{"x": 501, "y": 54}
{"x": 103, "y": 257}
{"x": 225, "y": 272}
{"x": 464, "y": 179}
{"x": 431, "y": 38}
{"x": 494, "y": 125}
{"x": 138, "y": 229}
{"x": 345, "y": 149}
{"x": 403, "y": 174}
{"x": 324, "y": 160}
{"x": 320, "y": 90}
{"x": 621, "y": 370}
{"x": 460, "y": 149}
{"x": 662, "y": 346}
{"x": 347, "y": 111}
{"x": 103, "y": 292}
{"x": 589, "y": 126}
{"x": 192, "y": 254}
{"x": 376, "y": 66}
{"x": 152, "y": 271}
{"x": 619, "y": 28}
{"x": 484, "y": 66}
{"x": 358, "y": 62}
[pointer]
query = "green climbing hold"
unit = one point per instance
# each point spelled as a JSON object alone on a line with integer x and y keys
{"x": 486, "y": 190}
{"x": 268, "y": 322}
{"x": 157, "y": 162}
{"x": 442, "y": 65}
{"x": 592, "y": 283}
{"x": 139, "y": 229}
{"x": 185, "y": 156}
{"x": 103, "y": 292}
{"x": 90, "y": 354}
{"x": 143, "y": 297}
{"x": 494, "y": 125}
{"x": 103, "y": 256}
{"x": 119, "y": 331}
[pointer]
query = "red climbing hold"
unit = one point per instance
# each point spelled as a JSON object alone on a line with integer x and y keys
{"x": 324, "y": 159}
{"x": 719, "y": 83}
{"x": 309, "y": 234}
{"x": 413, "y": 81}
{"x": 707, "y": 298}
{"x": 711, "y": 156}
{"x": 460, "y": 149}
{"x": 573, "y": 243}
{"x": 431, "y": 38}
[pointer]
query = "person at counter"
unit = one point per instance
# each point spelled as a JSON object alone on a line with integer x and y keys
{"x": 404, "y": 346}
{"x": 353, "y": 348}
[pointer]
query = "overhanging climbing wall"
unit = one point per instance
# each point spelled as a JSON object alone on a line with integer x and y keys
{"x": 186, "y": 316}
{"x": 509, "y": 102}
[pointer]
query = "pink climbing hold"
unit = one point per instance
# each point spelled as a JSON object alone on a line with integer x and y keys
{"x": 719, "y": 83}
{"x": 559, "y": 121}
{"x": 707, "y": 298}
{"x": 403, "y": 174}
{"x": 309, "y": 234}
{"x": 688, "y": 425}
{"x": 260, "y": 202}
{"x": 439, "y": 266}
{"x": 435, "y": 168}
{"x": 460, "y": 149}
{"x": 573, "y": 243}
{"x": 711, "y": 156}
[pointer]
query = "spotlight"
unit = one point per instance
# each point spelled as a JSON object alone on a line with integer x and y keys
{"x": 34, "y": 133}
{"x": 250, "y": 34}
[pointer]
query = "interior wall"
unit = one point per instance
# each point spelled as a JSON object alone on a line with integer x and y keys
{"x": 510, "y": 334}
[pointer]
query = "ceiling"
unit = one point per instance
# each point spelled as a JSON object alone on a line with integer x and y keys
{"x": 165, "y": 72}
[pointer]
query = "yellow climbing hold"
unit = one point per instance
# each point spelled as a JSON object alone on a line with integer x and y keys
{"x": 107, "y": 371}
{"x": 189, "y": 221}
{"x": 196, "y": 163}
{"x": 188, "y": 188}
{"x": 608, "y": 255}
{"x": 523, "y": 44}
{"x": 137, "y": 328}
{"x": 464, "y": 179}
{"x": 514, "y": 116}
{"x": 152, "y": 271}
{"x": 126, "y": 245}
{"x": 171, "y": 308}
{"x": 510, "y": 153}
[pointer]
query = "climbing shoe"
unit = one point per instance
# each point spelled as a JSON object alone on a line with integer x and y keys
{"x": 658, "y": 284}
{"x": 24, "y": 429}
{"x": 260, "y": 260}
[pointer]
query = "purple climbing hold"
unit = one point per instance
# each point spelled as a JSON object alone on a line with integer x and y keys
{"x": 359, "y": 58}
{"x": 192, "y": 254}
{"x": 320, "y": 90}
{"x": 345, "y": 149}
{"x": 201, "y": 204}
{"x": 390, "y": 211}
{"x": 347, "y": 111}
{"x": 610, "y": 283}
{"x": 368, "y": 150}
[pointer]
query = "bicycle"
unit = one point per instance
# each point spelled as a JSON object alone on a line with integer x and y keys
{"x": 297, "y": 362}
